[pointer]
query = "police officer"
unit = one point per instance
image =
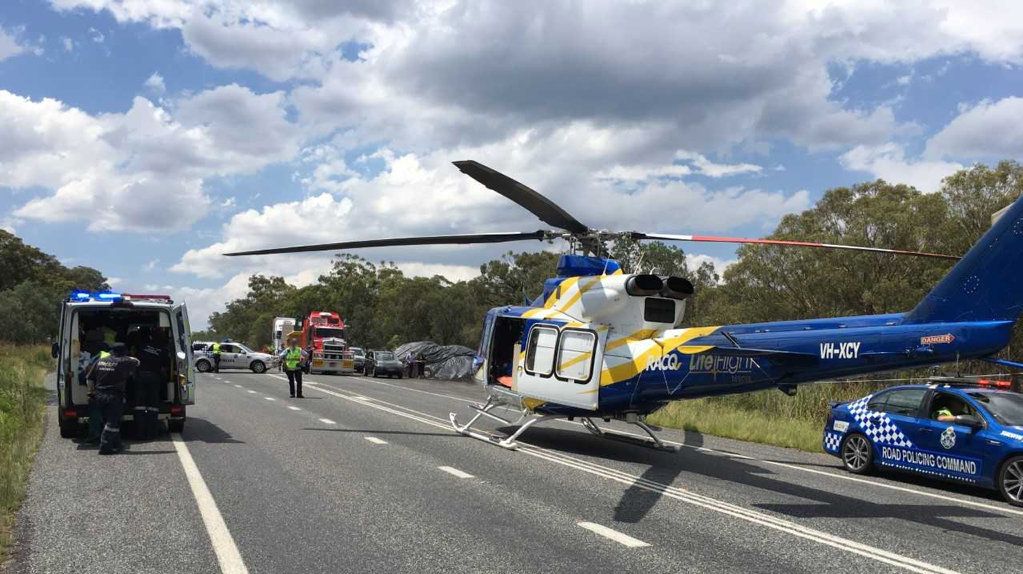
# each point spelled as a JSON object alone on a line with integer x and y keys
{"x": 216, "y": 357}
{"x": 292, "y": 358}
{"x": 111, "y": 375}
{"x": 95, "y": 412}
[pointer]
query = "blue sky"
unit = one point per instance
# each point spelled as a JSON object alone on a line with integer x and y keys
{"x": 146, "y": 138}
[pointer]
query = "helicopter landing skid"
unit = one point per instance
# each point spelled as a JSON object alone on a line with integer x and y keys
{"x": 653, "y": 442}
{"x": 484, "y": 411}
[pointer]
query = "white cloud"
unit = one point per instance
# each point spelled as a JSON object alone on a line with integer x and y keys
{"x": 710, "y": 169}
{"x": 155, "y": 84}
{"x": 117, "y": 171}
{"x": 96, "y": 36}
{"x": 888, "y": 162}
{"x": 425, "y": 195}
{"x": 9, "y": 46}
{"x": 68, "y": 43}
{"x": 986, "y": 130}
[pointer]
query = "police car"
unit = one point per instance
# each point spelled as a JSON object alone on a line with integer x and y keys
{"x": 980, "y": 440}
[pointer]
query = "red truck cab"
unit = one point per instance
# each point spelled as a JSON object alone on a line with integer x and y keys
{"x": 324, "y": 332}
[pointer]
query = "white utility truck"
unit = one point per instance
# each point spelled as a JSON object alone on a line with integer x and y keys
{"x": 92, "y": 321}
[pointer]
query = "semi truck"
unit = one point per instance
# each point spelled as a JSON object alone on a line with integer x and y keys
{"x": 323, "y": 333}
{"x": 283, "y": 327}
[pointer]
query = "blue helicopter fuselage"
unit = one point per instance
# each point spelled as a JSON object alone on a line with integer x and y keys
{"x": 601, "y": 343}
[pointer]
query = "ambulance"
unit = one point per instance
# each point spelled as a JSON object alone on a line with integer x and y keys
{"x": 92, "y": 321}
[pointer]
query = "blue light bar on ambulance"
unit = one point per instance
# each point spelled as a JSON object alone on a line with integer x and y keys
{"x": 95, "y": 296}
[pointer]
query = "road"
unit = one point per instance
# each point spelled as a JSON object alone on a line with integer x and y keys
{"x": 366, "y": 475}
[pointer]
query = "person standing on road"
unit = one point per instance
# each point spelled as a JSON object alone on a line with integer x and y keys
{"x": 111, "y": 376}
{"x": 292, "y": 358}
{"x": 215, "y": 349}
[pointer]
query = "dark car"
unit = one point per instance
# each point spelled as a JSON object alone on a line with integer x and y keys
{"x": 359, "y": 356}
{"x": 383, "y": 363}
{"x": 969, "y": 431}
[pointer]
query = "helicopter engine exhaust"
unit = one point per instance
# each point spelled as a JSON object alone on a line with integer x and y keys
{"x": 676, "y": 288}
{"x": 644, "y": 285}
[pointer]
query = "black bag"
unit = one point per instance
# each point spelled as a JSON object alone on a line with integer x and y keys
{"x": 146, "y": 423}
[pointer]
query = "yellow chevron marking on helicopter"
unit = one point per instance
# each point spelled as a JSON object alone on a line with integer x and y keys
{"x": 641, "y": 334}
{"x": 579, "y": 294}
{"x": 659, "y": 348}
{"x": 532, "y": 404}
{"x": 575, "y": 360}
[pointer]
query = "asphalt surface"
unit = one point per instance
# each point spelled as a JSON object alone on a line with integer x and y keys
{"x": 352, "y": 481}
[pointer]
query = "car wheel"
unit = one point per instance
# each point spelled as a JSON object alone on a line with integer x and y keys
{"x": 204, "y": 366}
{"x": 176, "y": 426}
{"x": 258, "y": 367}
{"x": 399, "y": 376}
{"x": 857, "y": 454}
{"x": 1010, "y": 480}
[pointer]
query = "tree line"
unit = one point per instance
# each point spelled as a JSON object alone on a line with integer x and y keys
{"x": 384, "y": 308}
{"x": 32, "y": 285}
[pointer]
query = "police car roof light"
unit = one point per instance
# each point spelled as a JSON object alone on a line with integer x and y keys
{"x": 994, "y": 384}
{"x": 147, "y": 297}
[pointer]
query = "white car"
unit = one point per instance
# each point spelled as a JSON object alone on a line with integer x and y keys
{"x": 232, "y": 356}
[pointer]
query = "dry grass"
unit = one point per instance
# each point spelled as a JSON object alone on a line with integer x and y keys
{"x": 768, "y": 417}
{"x": 22, "y": 398}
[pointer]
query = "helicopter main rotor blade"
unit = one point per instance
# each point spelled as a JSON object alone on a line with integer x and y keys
{"x": 786, "y": 243}
{"x": 548, "y": 211}
{"x": 462, "y": 239}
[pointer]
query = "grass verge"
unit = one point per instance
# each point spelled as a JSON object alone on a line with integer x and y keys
{"x": 22, "y": 401}
{"x": 767, "y": 417}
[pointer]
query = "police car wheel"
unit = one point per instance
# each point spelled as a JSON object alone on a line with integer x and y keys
{"x": 175, "y": 426}
{"x": 203, "y": 366}
{"x": 258, "y": 367}
{"x": 857, "y": 455}
{"x": 1010, "y": 480}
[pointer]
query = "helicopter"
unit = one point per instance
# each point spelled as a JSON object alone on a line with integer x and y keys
{"x": 599, "y": 344}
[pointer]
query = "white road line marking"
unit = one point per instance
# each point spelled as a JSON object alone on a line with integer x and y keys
{"x": 270, "y": 398}
{"x": 455, "y": 472}
{"x": 360, "y": 398}
{"x": 327, "y": 422}
{"x": 791, "y": 466}
{"x": 228, "y": 557}
{"x": 706, "y": 502}
{"x": 619, "y": 537}
{"x": 251, "y": 392}
{"x": 294, "y": 408}
{"x": 239, "y": 386}
{"x": 375, "y": 440}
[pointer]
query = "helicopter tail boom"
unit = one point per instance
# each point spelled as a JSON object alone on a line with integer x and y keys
{"x": 987, "y": 284}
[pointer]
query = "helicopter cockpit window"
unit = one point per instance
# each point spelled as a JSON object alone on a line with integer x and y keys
{"x": 540, "y": 350}
{"x": 575, "y": 355}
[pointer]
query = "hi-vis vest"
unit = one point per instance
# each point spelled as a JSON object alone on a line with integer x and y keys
{"x": 216, "y": 348}
{"x": 292, "y": 358}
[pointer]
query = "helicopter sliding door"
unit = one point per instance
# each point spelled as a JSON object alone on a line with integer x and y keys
{"x": 561, "y": 365}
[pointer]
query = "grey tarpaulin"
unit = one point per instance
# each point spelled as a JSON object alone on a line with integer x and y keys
{"x": 441, "y": 361}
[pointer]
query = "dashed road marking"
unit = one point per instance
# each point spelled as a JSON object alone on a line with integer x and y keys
{"x": 294, "y": 408}
{"x": 455, "y": 472}
{"x": 375, "y": 440}
{"x": 327, "y": 422}
{"x": 1004, "y": 509}
{"x": 682, "y": 495}
{"x": 239, "y": 386}
{"x": 251, "y": 392}
{"x": 270, "y": 398}
{"x": 228, "y": 557}
{"x": 619, "y": 537}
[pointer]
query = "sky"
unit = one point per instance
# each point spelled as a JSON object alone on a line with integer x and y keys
{"x": 145, "y": 138}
